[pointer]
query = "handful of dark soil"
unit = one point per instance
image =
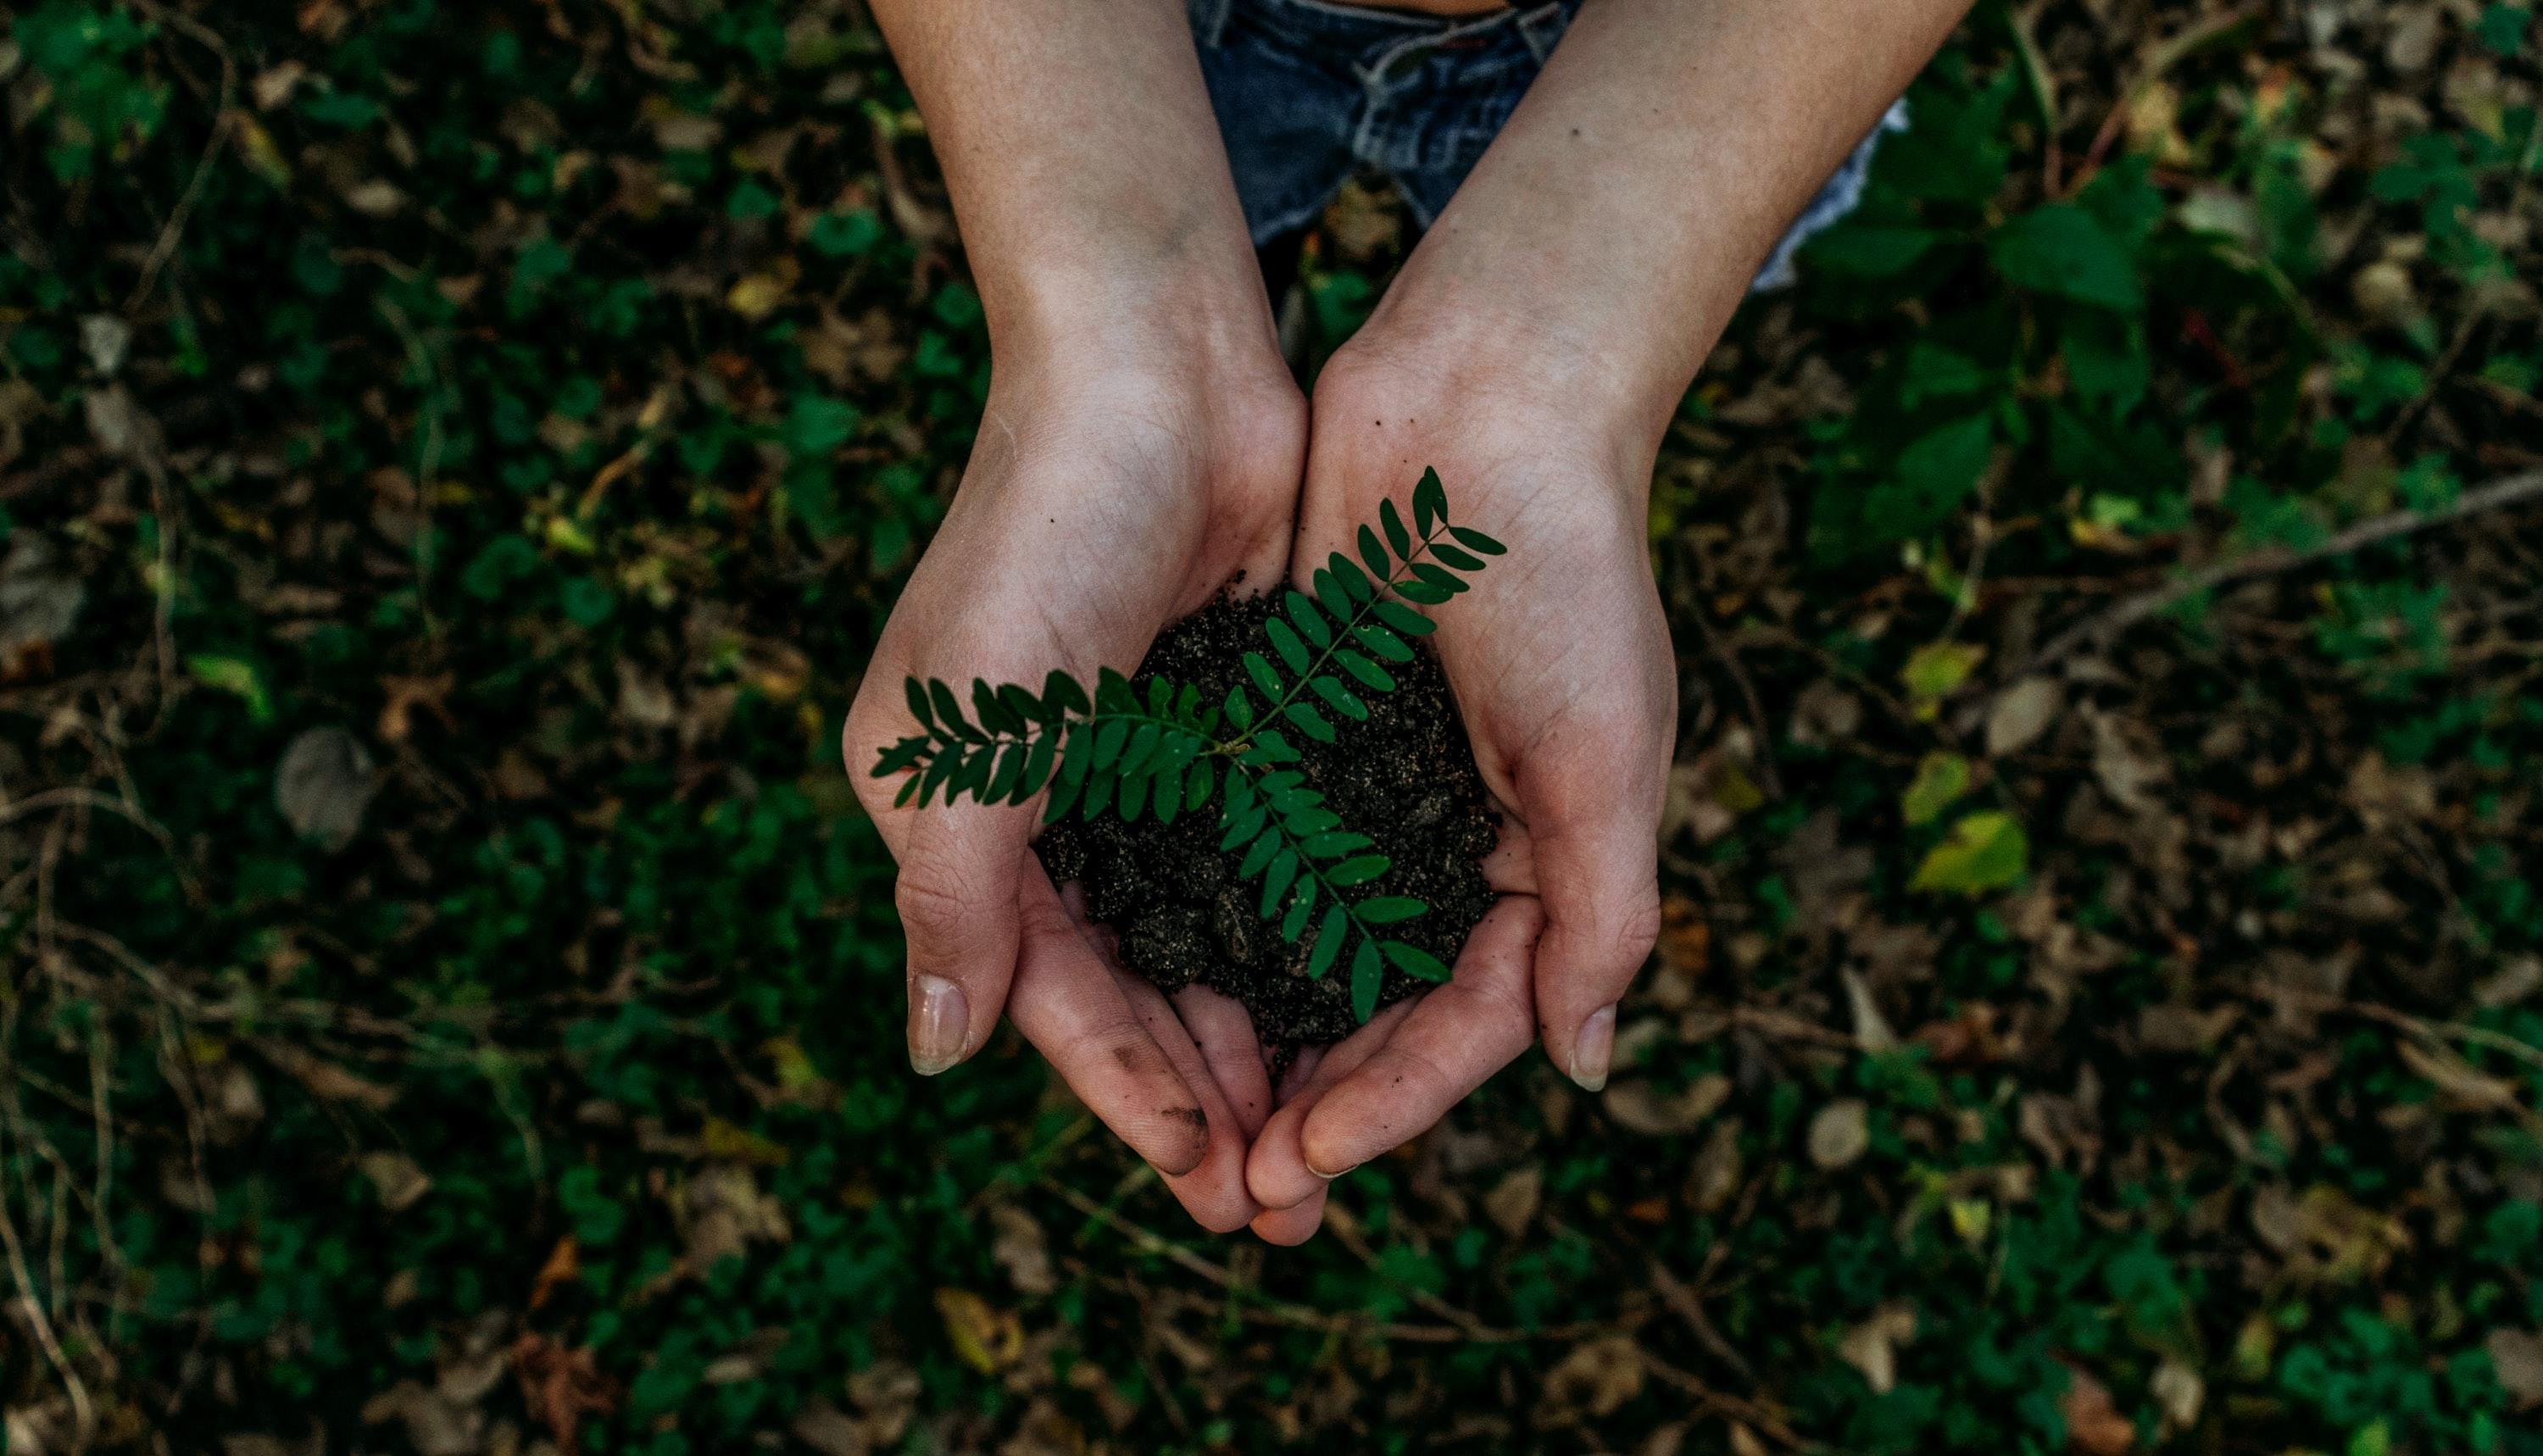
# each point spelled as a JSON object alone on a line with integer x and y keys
{"x": 1405, "y": 777}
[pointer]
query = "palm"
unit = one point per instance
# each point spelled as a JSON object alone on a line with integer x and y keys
{"x": 1087, "y": 520}
{"x": 1561, "y": 664}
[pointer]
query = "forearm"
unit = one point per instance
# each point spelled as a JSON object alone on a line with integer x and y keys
{"x": 1615, "y": 223}
{"x": 1085, "y": 167}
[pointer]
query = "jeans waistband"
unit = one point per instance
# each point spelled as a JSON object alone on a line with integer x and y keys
{"x": 1355, "y": 30}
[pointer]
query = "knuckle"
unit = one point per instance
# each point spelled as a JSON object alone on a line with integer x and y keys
{"x": 934, "y": 904}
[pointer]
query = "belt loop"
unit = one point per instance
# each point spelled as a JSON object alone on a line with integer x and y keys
{"x": 1209, "y": 21}
{"x": 1544, "y": 25}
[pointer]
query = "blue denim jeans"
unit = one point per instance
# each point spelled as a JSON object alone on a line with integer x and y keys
{"x": 1309, "y": 93}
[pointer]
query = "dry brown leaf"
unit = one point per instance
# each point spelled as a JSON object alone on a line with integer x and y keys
{"x": 1638, "y": 1104}
{"x": 986, "y": 1338}
{"x": 1020, "y": 1250}
{"x": 1841, "y": 1132}
{"x": 2517, "y": 1356}
{"x": 325, "y": 782}
{"x": 1513, "y": 1201}
{"x": 1592, "y": 1381}
{"x": 2094, "y": 1425}
{"x": 560, "y": 1386}
{"x": 399, "y": 1180}
{"x": 1872, "y": 1347}
{"x": 2021, "y": 714}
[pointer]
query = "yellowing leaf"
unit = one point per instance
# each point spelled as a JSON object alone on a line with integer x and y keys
{"x": 987, "y": 1339}
{"x": 756, "y": 295}
{"x": 234, "y": 676}
{"x": 723, "y": 1139}
{"x": 1936, "y": 669}
{"x": 257, "y": 148}
{"x": 1939, "y": 779}
{"x": 1972, "y": 1218}
{"x": 1986, "y": 851}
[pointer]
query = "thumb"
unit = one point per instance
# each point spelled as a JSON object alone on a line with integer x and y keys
{"x": 1598, "y": 877}
{"x": 960, "y": 867}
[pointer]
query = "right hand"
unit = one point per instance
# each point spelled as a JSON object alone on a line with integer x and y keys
{"x": 1109, "y": 493}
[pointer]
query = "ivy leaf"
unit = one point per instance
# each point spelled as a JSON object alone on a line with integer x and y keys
{"x": 2064, "y": 250}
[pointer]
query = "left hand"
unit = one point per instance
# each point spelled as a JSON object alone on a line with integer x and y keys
{"x": 1561, "y": 664}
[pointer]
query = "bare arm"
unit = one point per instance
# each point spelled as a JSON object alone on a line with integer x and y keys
{"x": 1649, "y": 171}
{"x": 1086, "y": 168}
{"x": 1141, "y": 445}
{"x": 1533, "y": 349}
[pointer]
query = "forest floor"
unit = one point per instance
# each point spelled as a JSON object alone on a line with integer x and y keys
{"x": 454, "y": 459}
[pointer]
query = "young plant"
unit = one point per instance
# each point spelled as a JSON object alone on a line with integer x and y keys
{"x": 1168, "y": 753}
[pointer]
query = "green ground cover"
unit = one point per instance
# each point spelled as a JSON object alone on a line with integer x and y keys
{"x": 454, "y": 458}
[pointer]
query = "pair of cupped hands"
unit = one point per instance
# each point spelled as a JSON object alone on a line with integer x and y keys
{"x": 1120, "y": 482}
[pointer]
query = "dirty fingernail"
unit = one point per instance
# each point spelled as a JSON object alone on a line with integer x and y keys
{"x": 939, "y": 1020}
{"x": 1596, "y": 1044}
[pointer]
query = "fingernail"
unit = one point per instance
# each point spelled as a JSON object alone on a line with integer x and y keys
{"x": 938, "y": 1022}
{"x": 1327, "y": 1177}
{"x": 1589, "y": 1054}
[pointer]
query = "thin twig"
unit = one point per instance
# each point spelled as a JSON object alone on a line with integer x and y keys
{"x": 2170, "y": 53}
{"x": 2496, "y": 496}
{"x": 83, "y": 1414}
{"x": 223, "y": 118}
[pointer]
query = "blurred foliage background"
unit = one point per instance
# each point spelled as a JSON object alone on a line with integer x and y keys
{"x": 454, "y": 458}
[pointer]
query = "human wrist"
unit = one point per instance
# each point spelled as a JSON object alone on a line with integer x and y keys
{"x": 1538, "y": 354}
{"x": 1485, "y": 384}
